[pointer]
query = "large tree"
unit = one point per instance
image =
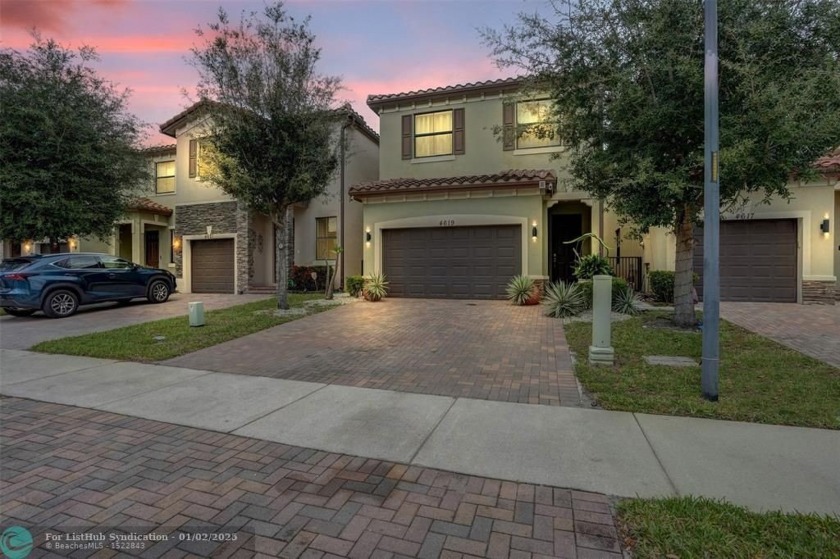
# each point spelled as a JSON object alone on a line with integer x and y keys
{"x": 271, "y": 123}
{"x": 626, "y": 77}
{"x": 69, "y": 149}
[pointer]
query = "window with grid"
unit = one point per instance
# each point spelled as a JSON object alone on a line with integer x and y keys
{"x": 433, "y": 134}
{"x": 165, "y": 177}
{"x": 536, "y": 129}
{"x": 326, "y": 236}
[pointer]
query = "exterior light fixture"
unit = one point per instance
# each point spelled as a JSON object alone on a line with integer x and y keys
{"x": 534, "y": 230}
{"x": 209, "y": 230}
{"x": 26, "y": 247}
{"x": 824, "y": 226}
{"x": 367, "y": 237}
{"x": 176, "y": 243}
{"x": 72, "y": 244}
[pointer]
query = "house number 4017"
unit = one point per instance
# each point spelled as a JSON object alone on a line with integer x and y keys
{"x": 447, "y": 222}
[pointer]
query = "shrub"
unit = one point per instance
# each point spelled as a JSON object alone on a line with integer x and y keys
{"x": 592, "y": 265}
{"x": 624, "y": 300}
{"x": 376, "y": 287}
{"x": 563, "y": 299}
{"x": 354, "y": 285}
{"x": 662, "y": 285}
{"x": 300, "y": 278}
{"x": 520, "y": 289}
{"x": 585, "y": 287}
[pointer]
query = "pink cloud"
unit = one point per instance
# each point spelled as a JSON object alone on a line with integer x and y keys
{"x": 47, "y": 15}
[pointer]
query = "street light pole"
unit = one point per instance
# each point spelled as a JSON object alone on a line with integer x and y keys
{"x": 711, "y": 213}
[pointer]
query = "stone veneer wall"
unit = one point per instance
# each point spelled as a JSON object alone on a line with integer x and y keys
{"x": 226, "y": 218}
{"x": 818, "y": 292}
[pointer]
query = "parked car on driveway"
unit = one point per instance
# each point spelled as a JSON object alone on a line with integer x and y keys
{"x": 59, "y": 283}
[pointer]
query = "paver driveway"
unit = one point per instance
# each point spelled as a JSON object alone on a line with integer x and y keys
{"x": 72, "y": 470}
{"x": 810, "y": 329}
{"x": 477, "y": 349}
{"x": 23, "y": 333}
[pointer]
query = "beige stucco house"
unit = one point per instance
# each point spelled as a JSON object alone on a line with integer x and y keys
{"x": 458, "y": 208}
{"x": 211, "y": 242}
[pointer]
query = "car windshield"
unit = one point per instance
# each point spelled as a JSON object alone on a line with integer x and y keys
{"x": 14, "y": 264}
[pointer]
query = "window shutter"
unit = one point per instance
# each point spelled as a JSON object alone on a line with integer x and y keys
{"x": 458, "y": 132}
{"x": 406, "y": 136}
{"x": 508, "y": 126}
{"x": 193, "y": 158}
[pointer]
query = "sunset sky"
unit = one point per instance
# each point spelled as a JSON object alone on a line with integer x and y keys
{"x": 375, "y": 46}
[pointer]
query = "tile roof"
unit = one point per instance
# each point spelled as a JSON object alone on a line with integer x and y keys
{"x": 513, "y": 177}
{"x": 146, "y": 205}
{"x": 159, "y": 150}
{"x": 381, "y": 99}
{"x": 830, "y": 162}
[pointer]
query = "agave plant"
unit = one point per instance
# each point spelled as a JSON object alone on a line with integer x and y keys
{"x": 520, "y": 289}
{"x": 563, "y": 299}
{"x": 586, "y": 267}
{"x": 376, "y": 287}
{"x": 624, "y": 301}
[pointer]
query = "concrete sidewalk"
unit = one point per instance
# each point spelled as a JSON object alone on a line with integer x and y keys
{"x": 760, "y": 466}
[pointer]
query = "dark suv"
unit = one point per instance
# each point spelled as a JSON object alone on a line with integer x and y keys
{"x": 58, "y": 283}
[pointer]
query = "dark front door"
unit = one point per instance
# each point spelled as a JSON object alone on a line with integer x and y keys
{"x": 152, "y": 249}
{"x": 564, "y": 228}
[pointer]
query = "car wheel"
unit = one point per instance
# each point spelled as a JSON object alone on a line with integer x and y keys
{"x": 18, "y": 312}
{"x": 158, "y": 291}
{"x": 61, "y": 303}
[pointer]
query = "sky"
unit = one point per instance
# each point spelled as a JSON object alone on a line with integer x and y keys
{"x": 375, "y": 46}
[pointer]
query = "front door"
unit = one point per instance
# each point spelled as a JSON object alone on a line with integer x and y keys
{"x": 564, "y": 228}
{"x": 152, "y": 249}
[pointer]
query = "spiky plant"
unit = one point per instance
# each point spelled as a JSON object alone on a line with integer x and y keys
{"x": 520, "y": 289}
{"x": 376, "y": 287}
{"x": 624, "y": 301}
{"x": 563, "y": 299}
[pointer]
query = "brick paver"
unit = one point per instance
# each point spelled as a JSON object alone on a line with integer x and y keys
{"x": 72, "y": 470}
{"x": 488, "y": 350}
{"x": 810, "y": 329}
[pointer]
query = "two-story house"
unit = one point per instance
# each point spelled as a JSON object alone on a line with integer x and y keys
{"x": 471, "y": 193}
{"x": 211, "y": 242}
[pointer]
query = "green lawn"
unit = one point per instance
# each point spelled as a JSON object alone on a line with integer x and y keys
{"x": 137, "y": 343}
{"x": 688, "y": 527}
{"x": 760, "y": 381}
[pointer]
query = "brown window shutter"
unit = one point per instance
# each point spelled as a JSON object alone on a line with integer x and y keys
{"x": 406, "y": 136}
{"x": 193, "y": 158}
{"x": 508, "y": 126}
{"x": 458, "y": 132}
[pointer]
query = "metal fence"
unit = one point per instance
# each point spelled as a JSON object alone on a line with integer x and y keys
{"x": 629, "y": 268}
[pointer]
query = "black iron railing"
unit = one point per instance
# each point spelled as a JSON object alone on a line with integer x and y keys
{"x": 629, "y": 268}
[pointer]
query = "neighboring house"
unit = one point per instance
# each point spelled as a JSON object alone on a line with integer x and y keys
{"x": 209, "y": 240}
{"x": 459, "y": 208}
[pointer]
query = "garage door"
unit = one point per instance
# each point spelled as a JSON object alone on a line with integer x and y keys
{"x": 757, "y": 260}
{"x": 212, "y": 266}
{"x": 452, "y": 262}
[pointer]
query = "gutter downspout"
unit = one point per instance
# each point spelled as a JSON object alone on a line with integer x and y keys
{"x": 343, "y": 194}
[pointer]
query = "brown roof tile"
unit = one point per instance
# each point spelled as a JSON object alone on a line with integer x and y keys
{"x": 150, "y": 206}
{"x": 513, "y": 177}
{"x": 830, "y": 162}
{"x": 159, "y": 150}
{"x": 374, "y": 101}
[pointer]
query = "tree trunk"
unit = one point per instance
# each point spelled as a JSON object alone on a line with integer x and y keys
{"x": 331, "y": 277}
{"x": 684, "y": 270}
{"x": 282, "y": 257}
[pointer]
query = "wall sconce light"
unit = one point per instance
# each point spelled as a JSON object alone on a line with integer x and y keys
{"x": 367, "y": 237}
{"x": 27, "y": 247}
{"x": 824, "y": 226}
{"x": 209, "y": 230}
{"x": 534, "y": 231}
{"x": 72, "y": 244}
{"x": 176, "y": 243}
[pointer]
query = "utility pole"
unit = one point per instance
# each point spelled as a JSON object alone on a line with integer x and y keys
{"x": 711, "y": 213}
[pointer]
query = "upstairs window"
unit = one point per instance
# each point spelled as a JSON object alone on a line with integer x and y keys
{"x": 165, "y": 177}
{"x": 326, "y": 234}
{"x": 534, "y": 124}
{"x": 431, "y": 134}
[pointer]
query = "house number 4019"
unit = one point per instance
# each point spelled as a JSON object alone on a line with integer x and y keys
{"x": 447, "y": 222}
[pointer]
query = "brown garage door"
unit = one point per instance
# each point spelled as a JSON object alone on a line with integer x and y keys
{"x": 757, "y": 260}
{"x": 212, "y": 266}
{"x": 452, "y": 262}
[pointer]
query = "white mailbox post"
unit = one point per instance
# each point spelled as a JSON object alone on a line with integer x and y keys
{"x": 196, "y": 313}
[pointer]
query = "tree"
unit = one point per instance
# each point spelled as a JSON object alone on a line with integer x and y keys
{"x": 626, "y": 80}
{"x": 270, "y": 120}
{"x": 69, "y": 150}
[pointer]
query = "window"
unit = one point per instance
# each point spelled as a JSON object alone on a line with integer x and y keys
{"x": 326, "y": 233}
{"x": 80, "y": 262}
{"x": 533, "y": 120}
{"x": 165, "y": 177}
{"x": 114, "y": 263}
{"x": 433, "y": 134}
{"x": 200, "y": 157}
